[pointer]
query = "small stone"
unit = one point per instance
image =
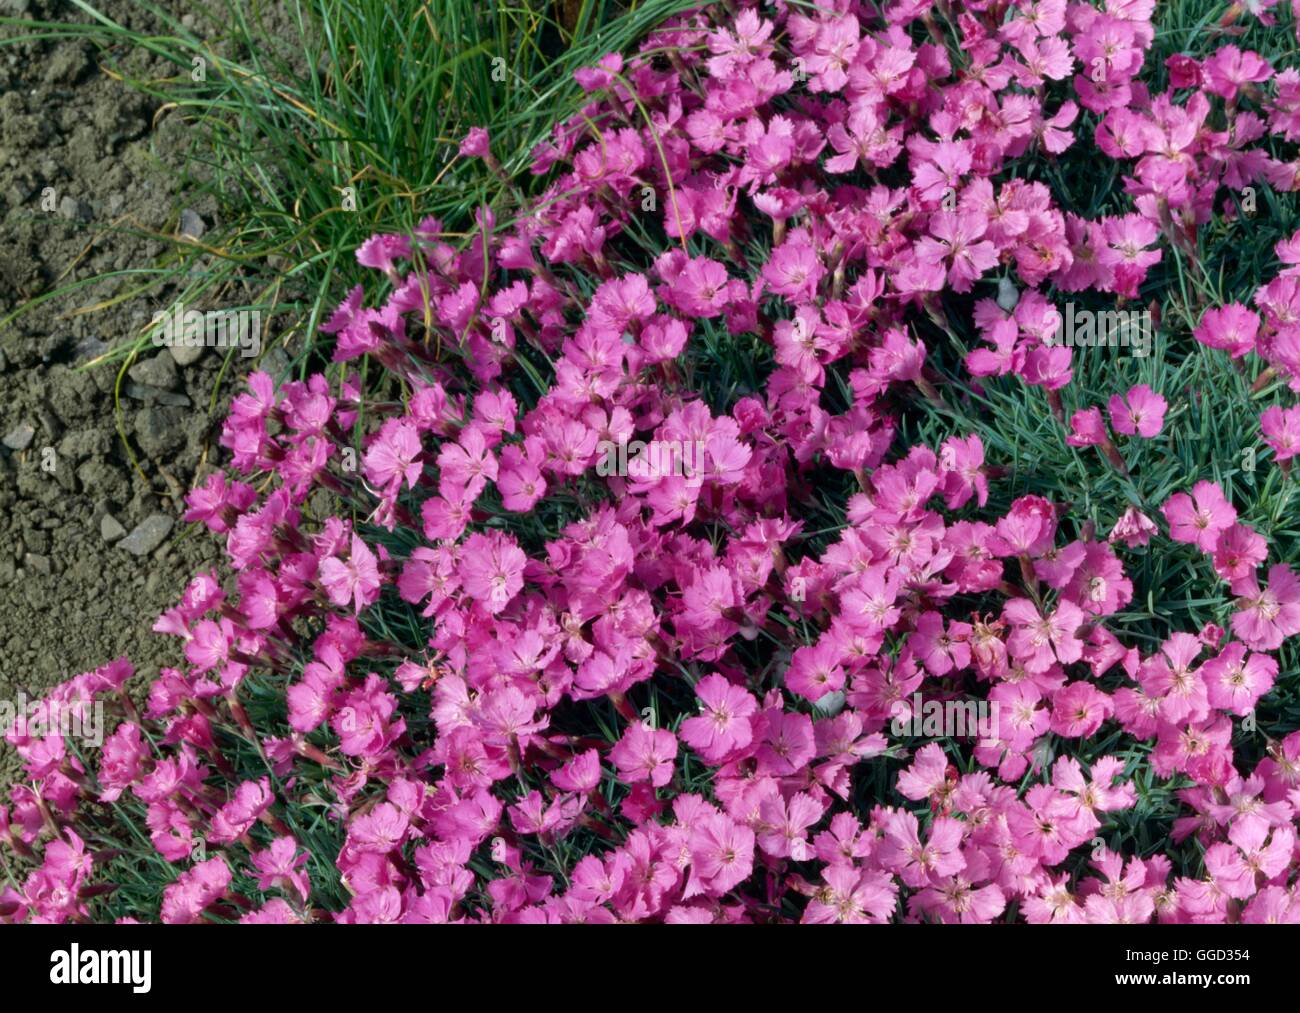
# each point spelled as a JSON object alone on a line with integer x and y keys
{"x": 1008, "y": 294}
{"x": 152, "y": 395}
{"x": 157, "y": 371}
{"x": 20, "y": 438}
{"x": 147, "y": 535}
{"x": 275, "y": 364}
{"x": 49, "y": 422}
{"x": 18, "y": 192}
{"x": 65, "y": 65}
{"x": 37, "y": 564}
{"x": 74, "y": 210}
{"x": 186, "y": 355}
{"x": 52, "y": 346}
{"x": 159, "y": 432}
{"x": 192, "y": 225}
{"x": 830, "y": 704}
{"x": 90, "y": 348}
{"x": 109, "y": 528}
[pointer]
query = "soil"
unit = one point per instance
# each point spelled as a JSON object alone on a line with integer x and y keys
{"x": 91, "y": 551}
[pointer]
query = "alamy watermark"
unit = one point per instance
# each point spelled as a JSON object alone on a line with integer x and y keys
{"x": 1079, "y": 328}
{"x": 75, "y": 966}
{"x": 184, "y": 328}
{"x": 951, "y": 719}
{"x": 643, "y": 461}
{"x": 39, "y": 718}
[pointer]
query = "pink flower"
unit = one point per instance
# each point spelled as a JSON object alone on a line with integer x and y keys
{"x": 1079, "y": 709}
{"x": 1098, "y": 585}
{"x": 394, "y": 456}
{"x": 1238, "y": 551}
{"x": 233, "y": 820}
{"x": 957, "y": 243}
{"x": 961, "y": 462}
{"x": 852, "y": 896}
{"x": 491, "y": 569}
{"x": 902, "y": 852}
{"x": 815, "y": 671}
{"x": 1229, "y": 68}
{"x": 701, "y": 288}
{"x": 1233, "y": 867}
{"x": 476, "y": 144}
{"x": 1094, "y": 794}
{"x": 365, "y": 722}
{"x": 645, "y": 754}
{"x": 186, "y": 899}
{"x": 1041, "y": 827}
{"x": 1281, "y": 429}
{"x": 600, "y": 76}
{"x": 281, "y": 866}
{"x": 783, "y": 826}
{"x": 663, "y": 339}
{"x": 941, "y": 649}
{"x": 507, "y": 714}
{"x": 722, "y": 853}
{"x": 956, "y": 899}
{"x": 794, "y": 270}
{"x": 1028, "y": 528}
{"x": 1140, "y": 412}
{"x": 1267, "y": 617}
{"x": 581, "y": 774}
{"x": 1200, "y": 517}
{"x": 927, "y": 777}
{"x": 1234, "y": 681}
{"x": 723, "y": 725}
{"x": 355, "y": 580}
{"x": 123, "y": 761}
{"x": 788, "y": 743}
{"x": 1125, "y": 253}
{"x": 1184, "y": 71}
{"x": 519, "y": 477}
{"x": 818, "y": 186}
{"x": 1039, "y": 641}
{"x": 1134, "y": 528}
{"x": 468, "y": 464}
{"x": 1231, "y": 328}
{"x": 380, "y": 251}
{"x": 1086, "y": 428}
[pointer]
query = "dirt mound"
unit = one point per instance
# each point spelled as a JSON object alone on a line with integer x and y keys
{"x": 91, "y": 550}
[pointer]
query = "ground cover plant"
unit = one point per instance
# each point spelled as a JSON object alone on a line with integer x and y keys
{"x": 842, "y": 372}
{"x": 157, "y": 159}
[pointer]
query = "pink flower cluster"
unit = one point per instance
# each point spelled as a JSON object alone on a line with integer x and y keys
{"x": 657, "y": 695}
